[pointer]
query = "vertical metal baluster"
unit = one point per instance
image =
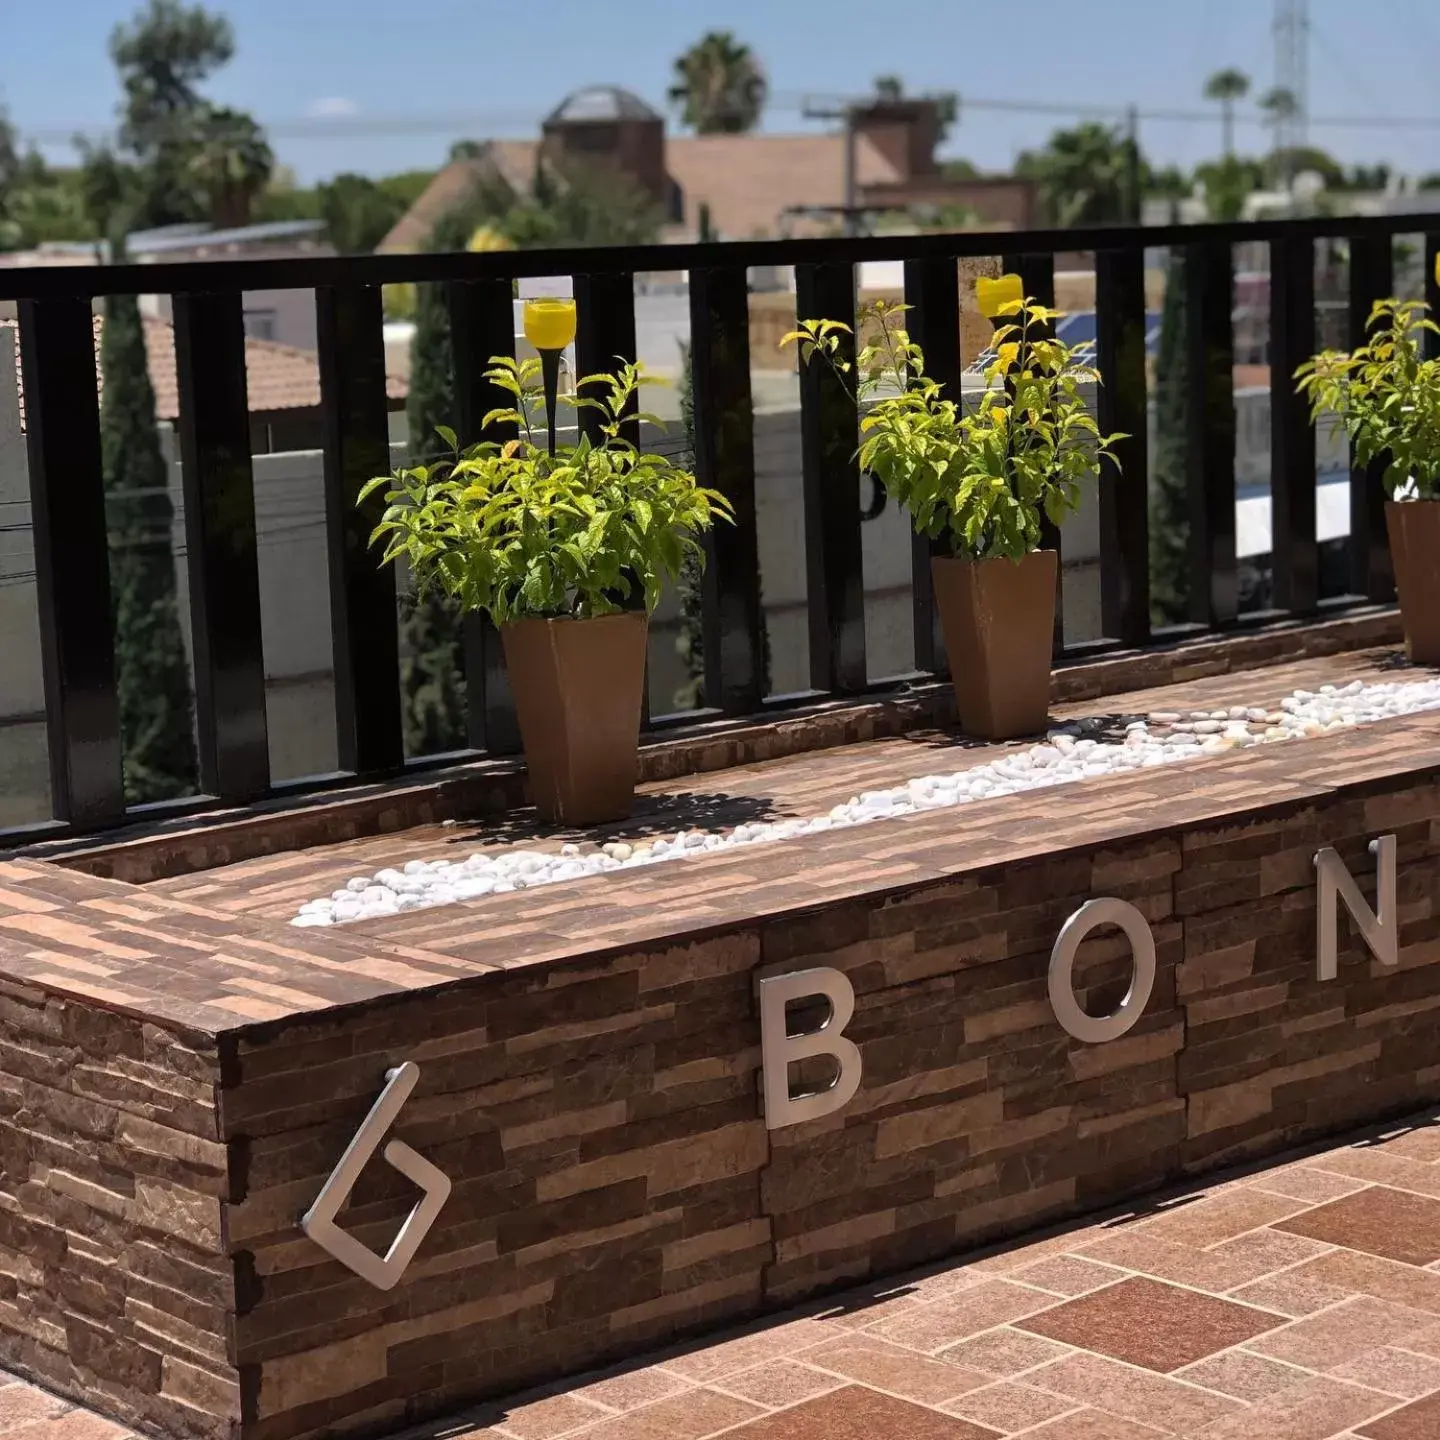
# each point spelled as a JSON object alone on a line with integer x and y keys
{"x": 732, "y": 617}
{"x": 1432, "y": 292}
{"x": 220, "y": 545}
{"x": 72, "y": 568}
{"x": 829, "y": 431}
{"x": 482, "y": 324}
{"x": 1122, "y": 406}
{"x": 932, "y": 290}
{"x": 364, "y": 624}
{"x": 1371, "y": 572}
{"x": 1294, "y": 550}
{"x": 1210, "y": 433}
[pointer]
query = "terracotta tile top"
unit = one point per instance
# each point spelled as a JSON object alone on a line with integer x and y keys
{"x": 1380, "y": 1221}
{"x": 189, "y": 955}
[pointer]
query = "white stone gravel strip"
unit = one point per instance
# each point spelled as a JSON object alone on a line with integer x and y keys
{"x": 1065, "y": 756}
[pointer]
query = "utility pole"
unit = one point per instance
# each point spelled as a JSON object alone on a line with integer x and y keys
{"x": 1292, "y": 75}
{"x": 845, "y": 113}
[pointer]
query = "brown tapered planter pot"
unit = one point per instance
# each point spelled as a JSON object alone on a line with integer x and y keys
{"x": 999, "y": 622}
{"x": 578, "y": 686}
{"x": 1414, "y": 527}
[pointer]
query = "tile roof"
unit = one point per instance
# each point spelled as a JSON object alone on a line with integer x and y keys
{"x": 277, "y": 377}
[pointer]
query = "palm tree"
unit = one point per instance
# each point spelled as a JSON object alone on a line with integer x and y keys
{"x": 231, "y": 164}
{"x": 1226, "y": 87}
{"x": 1085, "y": 176}
{"x": 719, "y": 86}
{"x": 1279, "y": 106}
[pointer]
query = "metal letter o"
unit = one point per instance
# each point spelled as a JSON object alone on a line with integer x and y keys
{"x": 1094, "y": 1029}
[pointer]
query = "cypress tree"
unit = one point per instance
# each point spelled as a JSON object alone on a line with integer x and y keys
{"x": 1169, "y": 503}
{"x": 432, "y": 672}
{"x": 156, "y": 711}
{"x": 690, "y": 642}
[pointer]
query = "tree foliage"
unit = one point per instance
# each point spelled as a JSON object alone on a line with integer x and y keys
{"x": 719, "y": 86}
{"x": 1084, "y": 175}
{"x": 1226, "y": 87}
{"x": 156, "y": 721}
{"x": 1169, "y": 493}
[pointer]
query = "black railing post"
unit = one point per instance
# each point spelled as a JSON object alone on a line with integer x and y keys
{"x": 364, "y": 627}
{"x": 1037, "y": 276}
{"x": 932, "y": 290}
{"x": 72, "y": 567}
{"x": 1432, "y": 292}
{"x": 1294, "y": 549}
{"x": 1372, "y": 278}
{"x": 731, "y": 615}
{"x": 482, "y": 325}
{"x": 220, "y": 545}
{"x": 1210, "y": 432}
{"x": 604, "y": 336}
{"x": 829, "y": 433}
{"x": 1121, "y": 406}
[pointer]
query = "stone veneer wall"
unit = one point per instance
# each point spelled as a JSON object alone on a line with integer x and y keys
{"x": 614, "y": 1182}
{"x": 115, "y": 1285}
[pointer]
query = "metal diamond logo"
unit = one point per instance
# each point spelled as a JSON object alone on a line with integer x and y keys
{"x": 318, "y": 1221}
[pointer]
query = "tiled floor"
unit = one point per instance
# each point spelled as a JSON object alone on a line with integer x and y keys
{"x": 1297, "y": 1302}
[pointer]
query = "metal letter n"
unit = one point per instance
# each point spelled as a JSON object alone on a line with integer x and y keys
{"x": 779, "y": 1050}
{"x": 319, "y": 1220}
{"x": 1379, "y": 927}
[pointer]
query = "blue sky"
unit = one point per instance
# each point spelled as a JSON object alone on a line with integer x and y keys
{"x": 376, "y": 85}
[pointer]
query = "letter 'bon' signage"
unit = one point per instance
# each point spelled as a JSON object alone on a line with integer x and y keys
{"x": 779, "y": 1049}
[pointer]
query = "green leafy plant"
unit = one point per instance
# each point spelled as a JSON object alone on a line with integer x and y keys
{"x": 519, "y": 534}
{"x": 981, "y": 478}
{"x": 1386, "y": 395}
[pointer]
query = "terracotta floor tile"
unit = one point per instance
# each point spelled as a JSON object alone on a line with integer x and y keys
{"x": 1157, "y": 1400}
{"x": 1221, "y": 1217}
{"x": 872, "y": 1361}
{"x": 1161, "y": 1327}
{"x": 633, "y": 1388}
{"x": 780, "y": 1383}
{"x": 1007, "y": 1406}
{"x": 1380, "y": 1221}
{"x": 743, "y": 1352}
{"x": 1396, "y": 1371}
{"x": 856, "y": 1413}
{"x": 1422, "y": 1142}
{"x": 1300, "y": 1183}
{"x": 1335, "y": 1337}
{"x": 1093, "y": 1425}
{"x": 1247, "y": 1377}
{"x": 1269, "y": 1250}
{"x": 1420, "y": 1421}
{"x": 550, "y": 1418}
{"x": 1168, "y": 1260}
{"x": 70, "y": 1425}
{"x": 695, "y": 1415}
{"x": 943, "y": 1322}
{"x": 1068, "y": 1275}
{"x": 1370, "y": 1275}
{"x": 22, "y": 1404}
{"x": 1004, "y": 1351}
{"x": 1313, "y": 1410}
{"x": 1291, "y": 1293}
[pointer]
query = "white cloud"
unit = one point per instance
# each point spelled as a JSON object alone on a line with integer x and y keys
{"x": 332, "y": 107}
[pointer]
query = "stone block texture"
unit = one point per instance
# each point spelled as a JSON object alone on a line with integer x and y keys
{"x": 178, "y": 1082}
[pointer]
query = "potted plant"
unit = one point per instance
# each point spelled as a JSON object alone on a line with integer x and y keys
{"x": 558, "y": 547}
{"x": 1387, "y": 396}
{"x": 978, "y": 479}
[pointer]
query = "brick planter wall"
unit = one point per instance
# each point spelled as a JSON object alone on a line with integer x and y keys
{"x": 589, "y": 1079}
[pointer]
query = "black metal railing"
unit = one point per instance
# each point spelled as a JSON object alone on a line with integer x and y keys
{"x": 68, "y": 501}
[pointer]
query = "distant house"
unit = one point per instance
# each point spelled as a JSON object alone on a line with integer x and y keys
{"x": 749, "y": 186}
{"x": 282, "y": 384}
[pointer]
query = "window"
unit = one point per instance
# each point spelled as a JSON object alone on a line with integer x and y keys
{"x": 260, "y": 324}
